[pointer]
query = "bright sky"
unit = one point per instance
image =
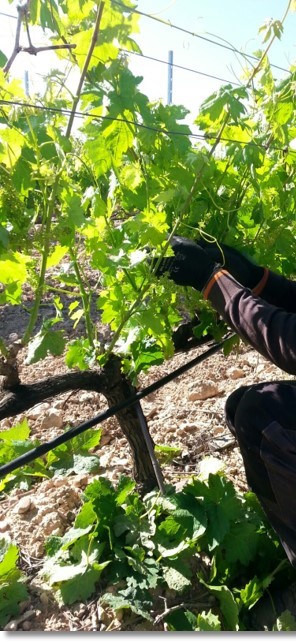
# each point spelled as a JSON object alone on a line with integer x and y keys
{"x": 218, "y": 20}
{"x": 214, "y": 19}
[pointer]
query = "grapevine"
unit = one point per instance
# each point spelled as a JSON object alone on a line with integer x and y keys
{"x": 93, "y": 185}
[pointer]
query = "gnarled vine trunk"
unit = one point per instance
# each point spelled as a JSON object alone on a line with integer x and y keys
{"x": 117, "y": 389}
{"x": 109, "y": 382}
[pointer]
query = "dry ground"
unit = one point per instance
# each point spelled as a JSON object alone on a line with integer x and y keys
{"x": 188, "y": 413}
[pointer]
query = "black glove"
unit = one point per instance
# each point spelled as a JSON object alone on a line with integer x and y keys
{"x": 239, "y": 265}
{"x": 191, "y": 265}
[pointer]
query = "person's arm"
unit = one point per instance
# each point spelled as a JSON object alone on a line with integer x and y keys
{"x": 270, "y": 329}
{"x": 271, "y": 287}
{"x": 277, "y": 290}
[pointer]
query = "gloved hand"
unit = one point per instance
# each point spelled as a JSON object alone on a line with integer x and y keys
{"x": 191, "y": 265}
{"x": 242, "y": 268}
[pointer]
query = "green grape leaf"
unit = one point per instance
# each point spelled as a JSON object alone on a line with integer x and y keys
{"x": 86, "y": 516}
{"x": 3, "y": 59}
{"x": 76, "y": 463}
{"x": 121, "y": 602}
{"x": 181, "y": 620}
{"x": 175, "y": 579}
{"x": 252, "y": 592}
{"x": 8, "y": 556}
{"x": 208, "y": 622}
{"x": 14, "y": 273}
{"x": 44, "y": 343}
{"x": 12, "y": 592}
{"x": 18, "y": 432}
{"x": 56, "y": 255}
{"x": 241, "y": 543}
{"x": 12, "y": 587}
{"x": 228, "y": 606}
{"x": 285, "y": 622}
{"x": 79, "y": 354}
{"x": 76, "y": 582}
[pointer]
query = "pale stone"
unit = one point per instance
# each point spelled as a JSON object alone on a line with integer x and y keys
{"x": 44, "y": 599}
{"x": 24, "y": 505}
{"x": 11, "y": 626}
{"x": 4, "y": 526}
{"x": 37, "y": 549}
{"x": 58, "y": 481}
{"x": 189, "y": 427}
{"x": 106, "y": 459}
{"x": 205, "y": 391}
{"x": 51, "y": 524}
{"x": 5, "y": 424}
{"x": 52, "y": 419}
{"x": 218, "y": 430}
{"x": 80, "y": 481}
{"x": 24, "y": 605}
{"x": 38, "y": 411}
{"x": 235, "y": 373}
{"x": 105, "y": 439}
{"x": 151, "y": 413}
{"x": 87, "y": 397}
{"x": 26, "y": 626}
{"x": 13, "y": 336}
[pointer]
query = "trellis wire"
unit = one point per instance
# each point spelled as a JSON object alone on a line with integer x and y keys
{"x": 203, "y": 137}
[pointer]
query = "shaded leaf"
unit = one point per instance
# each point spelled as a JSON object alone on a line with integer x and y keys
{"x": 285, "y": 622}
{"x": 3, "y": 59}
{"x": 44, "y": 343}
{"x": 175, "y": 579}
{"x": 119, "y": 602}
{"x": 75, "y": 463}
{"x": 228, "y": 606}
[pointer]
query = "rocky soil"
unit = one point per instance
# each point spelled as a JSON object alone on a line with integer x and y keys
{"x": 187, "y": 413}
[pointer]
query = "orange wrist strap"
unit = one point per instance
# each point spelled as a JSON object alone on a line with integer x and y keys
{"x": 257, "y": 290}
{"x": 216, "y": 276}
{"x": 261, "y": 285}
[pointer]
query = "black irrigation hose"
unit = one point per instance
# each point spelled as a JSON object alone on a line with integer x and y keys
{"x": 41, "y": 450}
{"x": 149, "y": 444}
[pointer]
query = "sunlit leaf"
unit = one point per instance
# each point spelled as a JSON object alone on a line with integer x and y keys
{"x": 56, "y": 256}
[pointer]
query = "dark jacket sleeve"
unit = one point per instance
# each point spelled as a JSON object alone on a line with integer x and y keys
{"x": 279, "y": 291}
{"x": 268, "y": 328}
